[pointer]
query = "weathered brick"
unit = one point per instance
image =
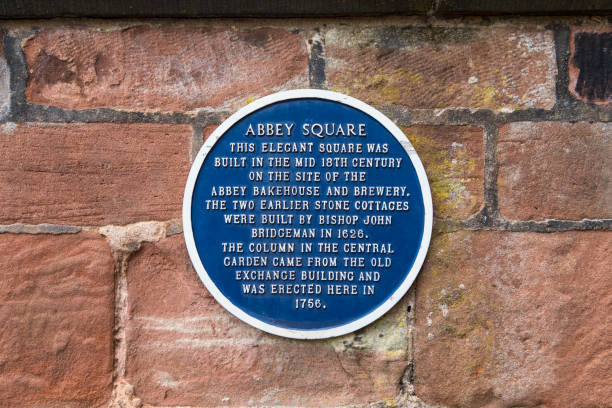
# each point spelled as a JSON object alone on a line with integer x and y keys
{"x": 495, "y": 67}
{"x": 555, "y": 170}
{"x": 92, "y": 174}
{"x": 453, "y": 157}
{"x": 161, "y": 68}
{"x": 515, "y": 319}
{"x": 590, "y": 65}
{"x": 56, "y": 346}
{"x": 185, "y": 349}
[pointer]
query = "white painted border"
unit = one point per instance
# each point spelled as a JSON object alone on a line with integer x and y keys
{"x": 295, "y": 333}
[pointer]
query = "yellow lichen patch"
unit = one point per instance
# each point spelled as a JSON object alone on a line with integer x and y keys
{"x": 415, "y": 78}
{"x": 390, "y": 402}
{"x": 483, "y": 340}
{"x": 493, "y": 91}
{"x": 442, "y": 247}
{"x": 504, "y": 81}
{"x": 388, "y": 335}
{"x": 466, "y": 312}
{"x": 384, "y": 86}
{"x": 484, "y": 97}
{"x": 382, "y": 386}
{"x": 452, "y": 297}
{"x": 449, "y": 170}
{"x": 250, "y": 99}
{"x": 451, "y": 91}
{"x": 459, "y": 306}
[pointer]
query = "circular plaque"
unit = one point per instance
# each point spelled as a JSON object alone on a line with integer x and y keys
{"x": 307, "y": 214}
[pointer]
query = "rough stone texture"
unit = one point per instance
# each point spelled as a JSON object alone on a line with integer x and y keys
{"x": 504, "y": 320}
{"x": 495, "y": 67}
{"x": 161, "y": 68}
{"x": 5, "y": 86}
{"x": 515, "y": 320}
{"x": 453, "y": 157}
{"x": 590, "y": 66}
{"x": 56, "y": 347}
{"x": 53, "y": 229}
{"x": 92, "y": 174}
{"x": 184, "y": 349}
{"x": 128, "y": 238}
{"x": 555, "y": 170}
{"x": 123, "y": 396}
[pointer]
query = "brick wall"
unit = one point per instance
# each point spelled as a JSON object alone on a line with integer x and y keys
{"x": 99, "y": 303}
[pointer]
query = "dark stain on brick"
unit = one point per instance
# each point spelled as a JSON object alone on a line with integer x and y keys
{"x": 593, "y": 58}
{"x": 256, "y": 38}
{"x": 316, "y": 64}
{"x": 394, "y": 37}
{"x": 48, "y": 69}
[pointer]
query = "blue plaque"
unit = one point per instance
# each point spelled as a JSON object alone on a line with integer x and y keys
{"x": 307, "y": 214}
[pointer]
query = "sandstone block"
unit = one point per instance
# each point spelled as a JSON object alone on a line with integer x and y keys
{"x": 168, "y": 68}
{"x": 515, "y": 319}
{"x": 453, "y": 157}
{"x": 185, "y": 349}
{"x": 92, "y": 174}
{"x": 555, "y": 170}
{"x": 57, "y": 296}
{"x": 492, "y": 67}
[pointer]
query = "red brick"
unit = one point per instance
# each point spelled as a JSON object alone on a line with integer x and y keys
{"x": 56, "y": 347}
{"x": 492, "y": 67}
{"x": 589, "y": 66}
{"x": 92, "y": 174}
{"x": 453, "y": 157}
{"x": 515, "y": 319}
{"x": 555, "y": 170}
{"x": 161, "y": 68}
{"x": 184, "y": 349}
